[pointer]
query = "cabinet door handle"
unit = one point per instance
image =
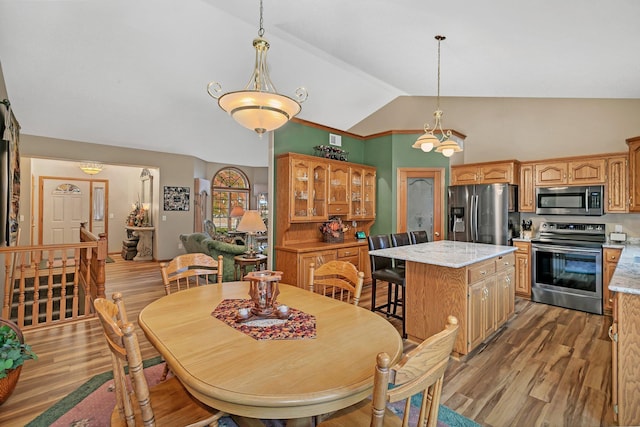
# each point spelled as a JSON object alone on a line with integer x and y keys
{"x": 482, "y": 273}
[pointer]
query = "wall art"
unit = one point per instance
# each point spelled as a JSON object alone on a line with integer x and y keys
{"x": 176, "y": 198}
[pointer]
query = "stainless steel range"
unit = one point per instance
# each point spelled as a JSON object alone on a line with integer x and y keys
{"x": 567, "y": 265}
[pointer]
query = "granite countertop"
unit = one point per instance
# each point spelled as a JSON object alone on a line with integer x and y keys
{"x": 445, "y": 253}
{"x": 626, "y": 277}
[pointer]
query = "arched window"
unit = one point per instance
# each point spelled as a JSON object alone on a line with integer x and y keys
{"x": 230, "y": 187}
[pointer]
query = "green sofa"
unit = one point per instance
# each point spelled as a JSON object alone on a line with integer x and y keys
{"x": 202, "y": 243}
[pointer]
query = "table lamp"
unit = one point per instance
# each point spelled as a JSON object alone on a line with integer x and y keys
{"x": 236, "y": 212}
{"x": 251, "y": 223}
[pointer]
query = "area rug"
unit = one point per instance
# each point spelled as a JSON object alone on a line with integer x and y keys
{"x": 91, "y": 404}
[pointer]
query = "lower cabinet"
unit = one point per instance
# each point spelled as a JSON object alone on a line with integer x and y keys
{"x": 481, "y": 296}
{"x": 294, "y": 261}
{"x": 611, "y": 257}
{"x": 625, "y": 358}
{"x": 523, "y": 269}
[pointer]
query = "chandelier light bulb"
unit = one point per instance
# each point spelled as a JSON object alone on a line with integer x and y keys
{"x": 448, "y": 152}
{"x": 426, "y": 146}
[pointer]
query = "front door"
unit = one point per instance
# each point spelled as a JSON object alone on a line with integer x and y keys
{"x": 66, "y": 203}
{"x": 420, "y": 201}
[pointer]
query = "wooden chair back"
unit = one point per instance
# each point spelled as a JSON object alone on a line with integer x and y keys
{"x": 420, "y": 370}
{"x": 125, "y": 350}
{"x": 337, "y": 279}
{"x": 189, "y": 270}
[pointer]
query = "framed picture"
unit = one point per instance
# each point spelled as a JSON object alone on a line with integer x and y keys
{"x": 176, "y": 198}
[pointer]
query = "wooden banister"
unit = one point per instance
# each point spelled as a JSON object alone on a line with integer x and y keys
{"x": 54, "y": 283}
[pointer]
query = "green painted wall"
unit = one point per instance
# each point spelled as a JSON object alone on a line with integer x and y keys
{"x": 299, "y": 138}
{"x": 379, "y": 153}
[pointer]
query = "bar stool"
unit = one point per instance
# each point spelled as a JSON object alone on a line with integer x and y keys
{"x": 400, "y": 239}
{"x": 419, "y": 236}
{"x": 382, "y": 269}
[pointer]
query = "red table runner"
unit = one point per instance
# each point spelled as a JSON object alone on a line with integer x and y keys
{"x": 300, "y": 325}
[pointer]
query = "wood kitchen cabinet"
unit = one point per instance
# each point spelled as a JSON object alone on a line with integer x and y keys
{"x": 611, "y": 257}
{"x": 625, "y": 358}
{"x": 480, "y": 295}
{"x": 307, "y": 190}
{"x": 526, "y": 190}
{"x": 523, "y": 268}
{"x": 579, "y": 171}
{"x": 294, "y": 261}
{"x": 362, "y": 193}
{"x": 634, "y": 174}
{"x": 617, "y": 191}
{"x": 338, "y": 203}
{"x": 486, "y": 173}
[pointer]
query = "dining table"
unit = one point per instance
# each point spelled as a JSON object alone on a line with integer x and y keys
{"x": 323, "y": 364}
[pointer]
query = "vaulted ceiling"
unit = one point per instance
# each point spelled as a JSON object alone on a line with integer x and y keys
{"x": 133, "y": 73}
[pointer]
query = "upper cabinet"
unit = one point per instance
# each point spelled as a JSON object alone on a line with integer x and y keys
{"x": 526, "y": 191}
{"x": 308, "y": 194}
{"x": 317, "y": 188}
{"x": 617, "y": 190}
{"x": 573, "y": 172}
{"x": 486, "y": 173}
{"x": 338, "y": 189}
{"x": 634, "y": 174}
{"x": 363, "y": 193}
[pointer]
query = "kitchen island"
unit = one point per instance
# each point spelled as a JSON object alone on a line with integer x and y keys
{"x": 472, "y": 281}
{"x": 625, "y": 335}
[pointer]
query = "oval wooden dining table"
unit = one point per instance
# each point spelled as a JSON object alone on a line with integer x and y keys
{"x": 269, "y": 379}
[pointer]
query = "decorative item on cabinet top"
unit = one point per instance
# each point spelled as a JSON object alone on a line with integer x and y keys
{"x": 329, "y": 152}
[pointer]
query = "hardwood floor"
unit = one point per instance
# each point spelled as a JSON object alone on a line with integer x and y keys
{"x": 548, "y": 367}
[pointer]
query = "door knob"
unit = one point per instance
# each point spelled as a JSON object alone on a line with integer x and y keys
{"x": 437, "y": 233}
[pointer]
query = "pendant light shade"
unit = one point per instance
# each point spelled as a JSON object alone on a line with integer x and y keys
{"x": 259, "y": 106}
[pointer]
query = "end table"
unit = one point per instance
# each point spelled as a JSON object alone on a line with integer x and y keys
{"x": 242, "y": 261}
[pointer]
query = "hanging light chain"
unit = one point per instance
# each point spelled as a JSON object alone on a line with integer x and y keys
{"x": 261, "y": 30}
{"x": 439, "y": 38}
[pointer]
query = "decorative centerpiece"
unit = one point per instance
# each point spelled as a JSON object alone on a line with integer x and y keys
{"x": 263, "y": 291}
{"x": 333, "y": 230}
{"x": 139, "y": 216}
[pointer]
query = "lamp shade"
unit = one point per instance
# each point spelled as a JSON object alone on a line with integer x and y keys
{"x": 236, "y": 212}
{"x": 251, "y": 222}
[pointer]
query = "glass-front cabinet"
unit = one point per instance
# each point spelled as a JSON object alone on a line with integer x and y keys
{"x": 309, "y": 195}
{"x": 363, "y": 193}
{"x": 338, "y": 203}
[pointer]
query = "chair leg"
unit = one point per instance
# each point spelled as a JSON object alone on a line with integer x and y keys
{"x": 165, "y": 372}
{"x": 373, "y": 294}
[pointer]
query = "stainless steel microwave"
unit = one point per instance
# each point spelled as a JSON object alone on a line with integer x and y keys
{"x": 584, "y": 201}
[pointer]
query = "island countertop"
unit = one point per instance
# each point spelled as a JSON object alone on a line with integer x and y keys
{"x": 445, "y": 253}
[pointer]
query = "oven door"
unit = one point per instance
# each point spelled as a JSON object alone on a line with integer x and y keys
{"x": 567, "y": 276}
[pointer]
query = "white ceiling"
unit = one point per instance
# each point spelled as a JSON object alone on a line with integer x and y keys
{"x": 134, "y": 73}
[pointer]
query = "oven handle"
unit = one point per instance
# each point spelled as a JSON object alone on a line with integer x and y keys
{"x": 565, "y": 249}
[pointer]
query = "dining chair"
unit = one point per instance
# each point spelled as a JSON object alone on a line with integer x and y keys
{"x": 337, "y": 279}
{"x": 419, "y": 236}
{"x": 420, "y": 371}
{"x": 382, "y": 269}
{"x": 167, "y": 403}
{"x": 189, "y": 269}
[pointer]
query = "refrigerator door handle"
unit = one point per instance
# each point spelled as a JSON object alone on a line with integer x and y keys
{"x": 474, "y": 218}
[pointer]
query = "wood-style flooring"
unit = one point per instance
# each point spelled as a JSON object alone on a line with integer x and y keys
{"x": 548, "y": 367}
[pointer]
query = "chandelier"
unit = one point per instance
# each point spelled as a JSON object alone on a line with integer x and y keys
{"x": 91, "y": 168}
{"x": 436, "y": 137}
{"x": 259, "y": 106}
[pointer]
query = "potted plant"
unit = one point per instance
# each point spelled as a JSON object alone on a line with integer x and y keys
{"x": 333, "y": 230}
{"x": 13, "y": 353}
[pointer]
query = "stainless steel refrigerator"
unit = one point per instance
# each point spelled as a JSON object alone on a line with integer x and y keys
{"x": 483, "y": 213}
